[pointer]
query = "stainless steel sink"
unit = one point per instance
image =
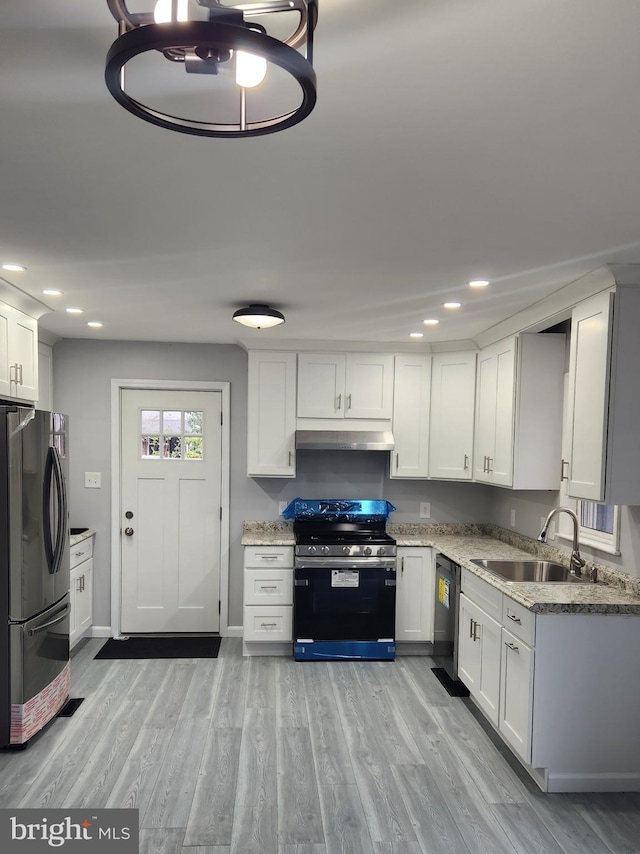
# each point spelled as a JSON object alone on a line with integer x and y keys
{"x": 529, "y": 570}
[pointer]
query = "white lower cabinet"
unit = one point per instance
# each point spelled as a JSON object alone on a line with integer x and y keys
{"x": 562, "y": 690}
{"x": 268, "y": 599}
{"x": 479, "y": 637}
{"x": 516, "y": 694}
{"x": 81, "y": 584}
{"x": 415, "y": 594}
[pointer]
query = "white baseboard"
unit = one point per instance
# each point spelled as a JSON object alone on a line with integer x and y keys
{"x": 98, "y": 632}
{"x": 232, "y": 632}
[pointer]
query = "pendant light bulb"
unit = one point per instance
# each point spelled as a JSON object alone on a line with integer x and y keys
{"x": 250, "y": 69}
{"x": 186, "y": 10}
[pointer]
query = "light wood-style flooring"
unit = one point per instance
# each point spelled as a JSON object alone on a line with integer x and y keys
{"x": 268, "y": 756}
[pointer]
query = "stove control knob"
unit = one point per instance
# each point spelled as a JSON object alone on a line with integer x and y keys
{"x": 324, "y": 549}
{"x": 311, "y": 549}
{"x": 382, "y": 550}
{"x": 367, "y": 550}
{"x": 346, "y": 550}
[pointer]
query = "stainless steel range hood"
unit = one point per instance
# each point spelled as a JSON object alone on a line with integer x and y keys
{"x": 344, "y": 440}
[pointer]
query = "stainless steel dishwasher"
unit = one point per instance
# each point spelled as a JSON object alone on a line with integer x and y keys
{"x": 447, "y": 608}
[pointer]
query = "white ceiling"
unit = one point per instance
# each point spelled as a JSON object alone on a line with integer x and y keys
{"x": 452, "y": 139}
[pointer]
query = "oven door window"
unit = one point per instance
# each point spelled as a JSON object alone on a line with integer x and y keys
{"x": 345, "y": 604}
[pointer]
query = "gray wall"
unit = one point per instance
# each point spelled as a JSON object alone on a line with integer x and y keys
{"x": 83, "y": 371}
{"x": 82, "y": 388}
{"x": 530, "y": 507}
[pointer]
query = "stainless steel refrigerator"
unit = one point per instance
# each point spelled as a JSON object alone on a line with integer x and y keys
{"x": 34, "y": 571}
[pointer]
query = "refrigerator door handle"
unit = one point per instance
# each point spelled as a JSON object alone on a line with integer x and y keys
{"x": 46, "y": 511}
{"x": 58, "y": 619}
{"x": 61, "y": 497}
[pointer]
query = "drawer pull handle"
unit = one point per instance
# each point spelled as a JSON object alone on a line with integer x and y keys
{"x": 269, "y": 587}
{"x": 78, "y": 554}
{"x": 514, "y": 618}
{"x": 269, "y": 557}
{"x": 268, "y": 625}
{"x": 511, "y": 646}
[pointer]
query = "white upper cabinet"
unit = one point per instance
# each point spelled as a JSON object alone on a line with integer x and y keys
{"x": 518, "y": 429}
{"x": 18, "y": 354}
{"x": 453, "y": 383}
{"x": 411, "y": 401}
{"x": 604, "y": 404}
{"x": 271, "y": 415}
{"x": 355, "y": 385}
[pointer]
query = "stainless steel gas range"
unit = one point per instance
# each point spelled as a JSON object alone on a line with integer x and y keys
{"x": 344, "y": 581}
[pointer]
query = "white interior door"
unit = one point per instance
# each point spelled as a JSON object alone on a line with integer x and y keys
{"x": 171, "y": 486}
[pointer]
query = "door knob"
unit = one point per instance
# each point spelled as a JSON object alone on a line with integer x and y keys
{"x": 128, "y": 532}
{"x": 129, "y": 514}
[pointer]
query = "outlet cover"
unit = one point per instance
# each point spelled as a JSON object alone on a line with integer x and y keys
{"x": 282, "y": 506}
{"x": 425, "y": 510}
{"x": 92, "y": 480}
{"x": 513, "y": 517}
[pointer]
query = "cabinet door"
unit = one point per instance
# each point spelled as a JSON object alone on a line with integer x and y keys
{"x": 411, "y": 399}
{"x": 369, "y": 386}
{"x": 516, "y": 694}
{"x": 271, "y": 414}
{"x": 415, "y": 594}
{"x": 486, "y": 399}
{"x": 468, "y": 647}
{"x": 501, "y": 466}
{"x": 81, "y": 582}
{"x": 479, "y": 637}
{"x": 453, "y": 388}
{"x": 588, "y": 396}
{"x": 321, "y": 385}
{"x": 24, "y": 351}
{"x": 18, "y": 354}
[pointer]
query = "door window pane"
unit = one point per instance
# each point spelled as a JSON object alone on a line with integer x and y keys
{"x": 150, "y": 421}
{"x": 172, "y": 422}
{"x": 193, "y": 448}
{"x": 193, "y": 422}
{"x": 172, "y": 447}
{"x": 150, "y": 447}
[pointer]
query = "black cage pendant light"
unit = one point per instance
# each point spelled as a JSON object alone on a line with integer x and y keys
{"x": 215, "y": 68}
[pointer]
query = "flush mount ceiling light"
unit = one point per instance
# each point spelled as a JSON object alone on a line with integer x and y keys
{"x": 14, "y": 268}
{"x": 258, "y": 316}
{"x": 209, "y": 68}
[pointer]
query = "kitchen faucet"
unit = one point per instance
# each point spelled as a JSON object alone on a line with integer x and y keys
{"x": 576, "y": 563}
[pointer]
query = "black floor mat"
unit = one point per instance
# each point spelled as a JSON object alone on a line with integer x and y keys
{"x": 453, "y": 688}
{"x": 161, "y": 647}
{"x": 70, "y": 707}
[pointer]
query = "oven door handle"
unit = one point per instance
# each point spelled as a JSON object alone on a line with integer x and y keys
{"x": 301, "y": 582}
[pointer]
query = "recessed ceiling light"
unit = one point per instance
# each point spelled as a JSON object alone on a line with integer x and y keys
{"x": 75, "y": 311}
{"x": 52, "y": 292}
{"x": 14, "y": 268}
{"x": 416, "y": 335}
{"x": 431, "y": 321}
{"x": 95, "y": 324}
{"x": 451, "y": 304}
{"x": 478, "y": 283}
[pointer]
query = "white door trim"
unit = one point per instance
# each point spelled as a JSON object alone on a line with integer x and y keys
{"x": 168, "y": 385}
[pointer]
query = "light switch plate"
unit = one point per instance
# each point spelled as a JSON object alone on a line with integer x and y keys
{"x": 513, "y": 517}
{"x": 425, "y": 510}
{"x": 92, "y": 480}
{"x": 282, "y": 506}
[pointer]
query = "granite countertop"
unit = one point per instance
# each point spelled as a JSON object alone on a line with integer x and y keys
{"x": 615, "y": 593}
{"x": 74, "y": 539}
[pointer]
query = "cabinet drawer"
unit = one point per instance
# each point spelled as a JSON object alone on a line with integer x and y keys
{"x": 81, "y": 551}
{"x": 483, "y": 594}
{"x": 262, "y": 623}
{"x": 519, "y": 620}
{"x": 262, "y": 556}
{"x": 268, "y": 586}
